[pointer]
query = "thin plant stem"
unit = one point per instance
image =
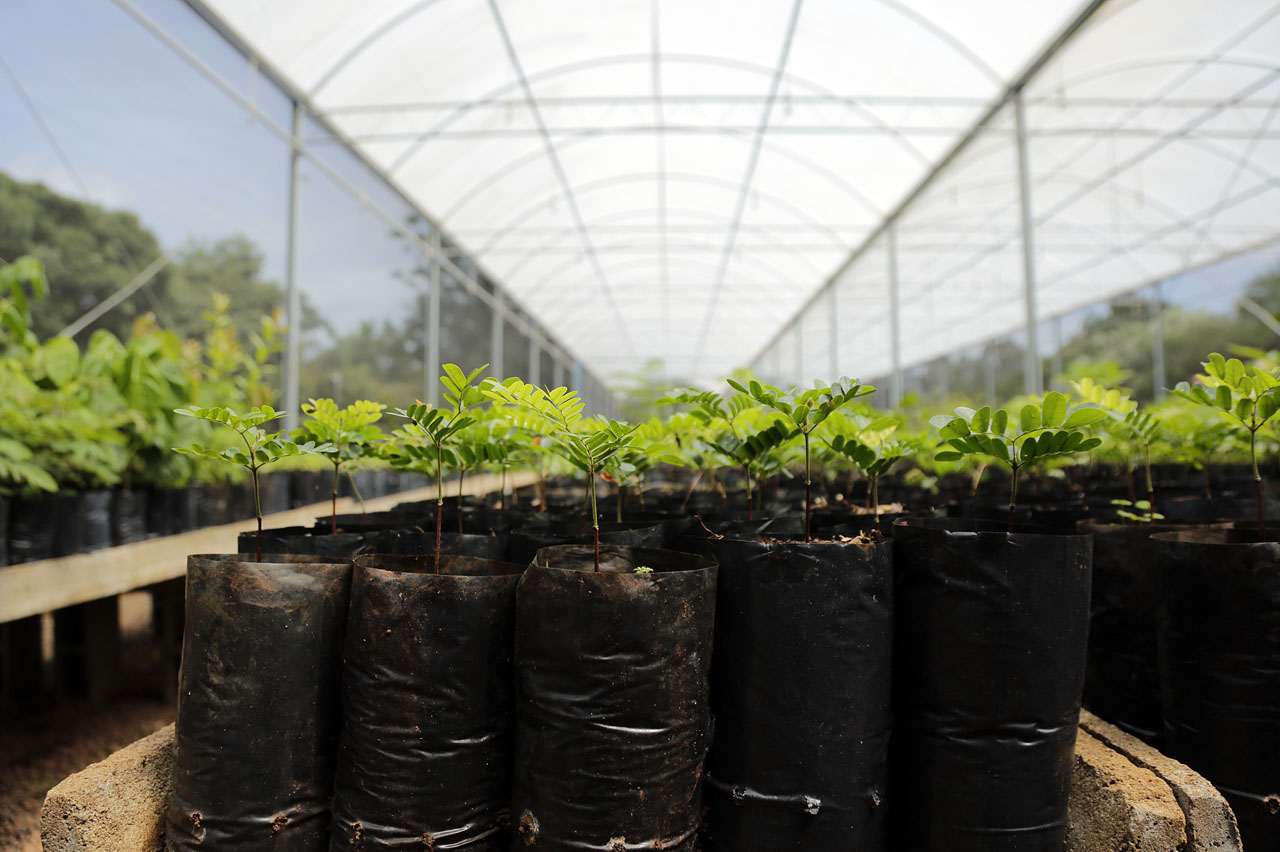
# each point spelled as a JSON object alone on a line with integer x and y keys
{"x": 808, "y": 483}
{"x": 746, "y": 472}
{"x": 875, "y": 498}
{"x": 355, "y": 489}
{"x": 1257, "y": 482}
{"x": 461, "y": 475}
{"x": 1013, "y": 495}
{"x": 333, "y": 500}
{"x": 257, "y": 508}
{"x": 595, "y": 518}
{"x": 439, "y": 502}
{"x": 1151, "y": 488}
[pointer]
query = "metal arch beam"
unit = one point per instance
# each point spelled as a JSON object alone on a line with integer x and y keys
{"x": 496, "y": 176}
{"x": 559, "y": 236}
{"x": 625, "y": 58}
{"x": 566, "y": 188}
{"x": 1026, "y": 78}
{"x": 368, "y": 41}
{"x": 1092, "y": 74}
{"x": 983, "y": 121}
{"x": 1099, "y": 181}
{"x": 769, "y": 269}
{"x": 633, "y": 177}
{"x": 946, "y": 37}
{"x": 748, "y": 177}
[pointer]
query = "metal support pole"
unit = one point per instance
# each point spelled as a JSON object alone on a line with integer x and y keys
{"x": 833, "y": 327}
{"x": 535, "y": 360}
{"x": 1159, "y": 378}
{"x": 293, "y": 298}
{"x": 557, "y": 380}
{"x": 577, "y": 378}
{"x": 1058, "y": 367}
{"x": 497, "y": 332}
{"x": 432, "y": 348}
{"x": 897, "y": 388}
{"x": 1033, "y": 372}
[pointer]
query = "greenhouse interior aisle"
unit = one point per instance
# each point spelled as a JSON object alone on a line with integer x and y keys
{"x": 736, "y": 426}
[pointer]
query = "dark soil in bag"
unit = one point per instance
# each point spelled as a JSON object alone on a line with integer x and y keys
{"x": 526, "y": 541}
{"x": 1219, "y": 652}
{"x": 259, "y": 704}
{"x": 800, "y": 697}
{"x": 989, "y": 658}
{"x": 129, "y": 511}
{"x": 612, "y": 699}
{"x": 454, "y": 544}
{"x": 306, "y": 541}
{"x": 428, "y": 706}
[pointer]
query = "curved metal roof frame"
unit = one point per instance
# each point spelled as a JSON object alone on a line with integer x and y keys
{"x": 793, "y": 136}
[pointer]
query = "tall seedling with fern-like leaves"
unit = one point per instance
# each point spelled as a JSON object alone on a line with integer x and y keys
{"x": 1050, "y": 429}
{"x": 1137, "y": 428}
{"x": 805, "y": 410}
{"x": 560, "y": 411}
{"x": 1244, "y": 394}
{"x": 440, "y": 427}
{"x": 261, "y": 448}
{"x": 351, "y": 432}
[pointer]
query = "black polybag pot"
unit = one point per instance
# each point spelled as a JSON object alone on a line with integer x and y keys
{"x": 612, "y": 709}
{"x": 95, "y": 520}
{"x": 129, "y": 512}
{"x": 32, "y": 529}
{"x": 801, "y": 697}
{"x": 989, "y": 657}
{"x": 1121, "y": 684}
{"x": 428, "y": 706}
{"x": 68, "y": 522}
{"x": 1219, "y": 652}
{"x": 259, "y": 704}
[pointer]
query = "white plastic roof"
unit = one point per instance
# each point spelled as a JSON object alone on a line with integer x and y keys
{"x": 675, "y": 179}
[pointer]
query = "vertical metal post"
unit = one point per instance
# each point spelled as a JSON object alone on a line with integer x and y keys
{"x": 497, "y": 333}
{"x": 833, "y": 327}
{"x": 557, "y": 361}
{"x": 293, "y": 298}
{"x": 577, "y": 377}
{"x": 989, "y": 374}
{"x": 1057, "y": 347}
{"x": 535, "y": 359}
{"x": 1033, "y": 372}
{"x": 432, "y": 390}
{"x": 897, "y": 389}
{"x": 1159, "y": 378}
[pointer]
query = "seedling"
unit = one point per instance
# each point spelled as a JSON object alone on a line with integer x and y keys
{"x": 1245, "y": 395}
{"x": 1136, "y": 510}
{"x": 439, "y": 427}
{"x": 1047, "y": 430}
{"x": 805, "y": 410}
{"x": 1139, "y": 429}
{"x": 351, "y": 432}
{"x": 642, "y": 570}
{"x": 755, "y": 452}
{"x": 560, "y": 412}
{"x": 874, "y": 460}
{"x": 261, "y": 448}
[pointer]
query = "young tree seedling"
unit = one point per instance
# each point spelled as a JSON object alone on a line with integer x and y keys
{"x": 874, "y": 460}
{"x": 1139, "y": 429}
{"x": 439, "y": 427}
{"x": 1046, "y": 430}
{"x": 755, "y": 452}
{"x": 805, "y": 410}
{"x": 710, "y": 408}
{"x": 560, "y": 411}
{"x": 351, "y": 432}
{"x": 261, "y": 448}
{"x": 1245, "y": 395}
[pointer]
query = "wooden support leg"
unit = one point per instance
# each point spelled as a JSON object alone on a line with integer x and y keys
{"x": 86, "y": 649}
{"x": 21, "y": 660}
{"x": 168, "y": 612}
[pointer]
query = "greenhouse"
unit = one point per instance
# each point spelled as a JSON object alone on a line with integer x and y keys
{"x": 773, "y": 426}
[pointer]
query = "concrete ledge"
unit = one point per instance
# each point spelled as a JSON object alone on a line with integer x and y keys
{"x": 1125, "y": 797}
{"x": 1211, "y": 826}
{"x": 117, "y": 805}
